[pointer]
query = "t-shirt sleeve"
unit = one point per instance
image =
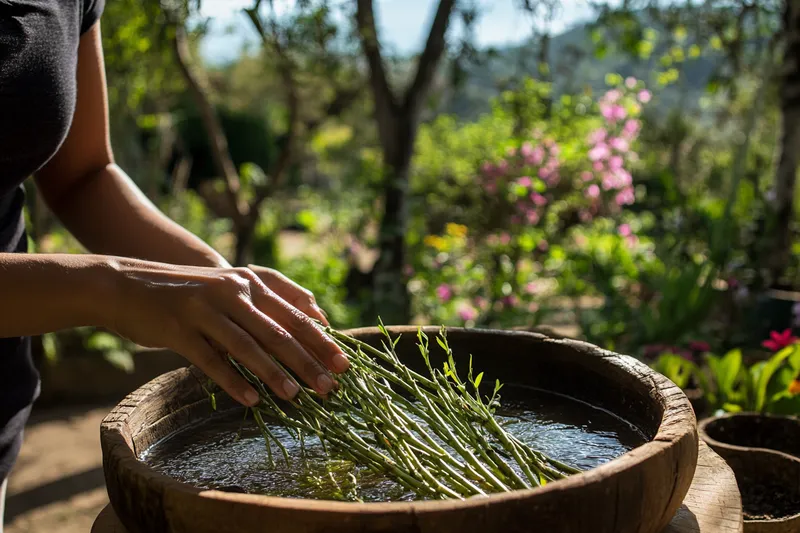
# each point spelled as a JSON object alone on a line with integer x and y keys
{"x": 92, "y": 9}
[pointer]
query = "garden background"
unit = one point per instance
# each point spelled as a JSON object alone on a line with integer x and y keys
{"x": 621, "y": 172}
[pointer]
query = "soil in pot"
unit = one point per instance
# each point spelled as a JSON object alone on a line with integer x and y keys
{"x": 226, "y": 454}
{"x": 767, "y": 501}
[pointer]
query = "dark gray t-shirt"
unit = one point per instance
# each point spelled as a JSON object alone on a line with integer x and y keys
{"x": 38, "y": 64}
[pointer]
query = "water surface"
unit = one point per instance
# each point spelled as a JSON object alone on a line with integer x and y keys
{"x": 222, "y": 453}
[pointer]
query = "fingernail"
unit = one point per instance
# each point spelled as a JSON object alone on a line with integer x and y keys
{"x": 324, "y": 384}
{"x": 321, "y": 311}
{"x": 290, "y": 388}
{"x": 251, "y": 397}
{"x": 340, "y": 363}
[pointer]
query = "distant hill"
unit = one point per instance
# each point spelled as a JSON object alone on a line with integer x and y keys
{"x": 574, "y": 66}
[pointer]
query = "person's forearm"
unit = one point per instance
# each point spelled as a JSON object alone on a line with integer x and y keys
{"x": 108, "y": 214}
{"x": 40, "y": 293}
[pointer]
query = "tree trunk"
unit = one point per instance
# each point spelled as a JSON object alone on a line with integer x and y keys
{"x": 786, "y": 176}
{"x": 244, "y": 245}
{"x": 390, "y": 296}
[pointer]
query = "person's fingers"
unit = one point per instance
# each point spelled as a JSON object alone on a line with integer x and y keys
{"x": 281, "y": 344}
{"x": 245, "y": 349}
{"x": 199, "y": 351}
{"x": 295, "y": 294}
{"x": 310, "y": 335}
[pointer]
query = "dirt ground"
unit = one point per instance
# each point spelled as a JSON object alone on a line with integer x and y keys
{"x": 57, "y": 484}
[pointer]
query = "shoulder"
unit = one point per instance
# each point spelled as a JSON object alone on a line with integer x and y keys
{"x": 92, "y": 9}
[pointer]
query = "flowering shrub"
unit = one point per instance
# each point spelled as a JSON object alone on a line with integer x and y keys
{"x": 572, "y": 168}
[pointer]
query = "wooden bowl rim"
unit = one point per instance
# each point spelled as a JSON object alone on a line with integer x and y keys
{"x": 703, "y": 424}
{"x": 678, "y": 422}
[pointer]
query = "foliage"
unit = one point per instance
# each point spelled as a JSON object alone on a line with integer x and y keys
{"x": 569, "y": 165}
{"x": 728, "y": 384}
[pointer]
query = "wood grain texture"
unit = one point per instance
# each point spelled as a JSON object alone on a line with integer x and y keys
{"x": 638, "y": 492}
{"x": 713, "y": 503}
{"x": 758, "y": 465}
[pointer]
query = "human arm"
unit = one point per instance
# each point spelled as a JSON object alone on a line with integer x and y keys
{"x": 179, "y": 294}
{"x": 200, "y": 312}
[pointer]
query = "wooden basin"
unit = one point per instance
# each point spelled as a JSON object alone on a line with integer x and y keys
{"x": 637, "y": 492}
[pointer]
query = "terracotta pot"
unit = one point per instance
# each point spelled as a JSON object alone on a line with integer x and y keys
{"x": 764, "y": 453}
{"x": 637, "y": 492}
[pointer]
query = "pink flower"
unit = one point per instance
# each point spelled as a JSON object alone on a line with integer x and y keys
{"x": 620, "y": 145}
{"x": 532, "y": 287}
{"x": 644, "y": 96}
{"x": 612, "y": 96}
{"x": 502, "y": 168}
{"x": 490, "y": 187}
{"x": 543, "y": 245}
{"x": 510, "y": 300}
{"x": 511, "y": 152}
{"x": 779, "y": 341}
{"x": 505, "y": 238}
{"x": 615, "y": 162}
{"x": 533, "y": 156}
{"x": 598, "y": 166}
{"x": 515, "y": 220}
{"x": 532, "y": 217}
{"x": 408, "y": 271}
{"x": 597, "y": 136}
{"x": 631, "y": 127}
{"x": 625, "y": 230}
{"x": 609, "y": 182}
{"x": 524, "y": 181}
{"x": 555, "y": 149}
{"x": 587, "y": 176}
{"x": 480, "y": 302}
{"x": 593, "y": 191}
{"x": 467, "y": 313}
{"x": 630, "y": 82}
{"x": 487, "y": 169}
{"x": 699, "y": 346}
{"x": 631, "y": 240}
{"x": 624, "y": 178}
{"x": 625, "y": 197}
{"x": 538, "y": 199}
{"x": 613, "y": 113}
{"x": 586, "y": 216}
{"x": 600, "y": 151}
{"x": 526, "y": 150}
{"x": 444, "y": 292}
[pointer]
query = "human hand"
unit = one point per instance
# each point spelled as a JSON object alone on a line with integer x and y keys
{"x": 295, "y": 295}
{"x": 203, "y": 313}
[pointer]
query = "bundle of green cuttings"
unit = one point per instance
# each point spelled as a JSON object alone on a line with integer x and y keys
{"x": 435, "y": 435}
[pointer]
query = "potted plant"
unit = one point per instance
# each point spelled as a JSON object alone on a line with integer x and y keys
{"x": 754, "y": 427}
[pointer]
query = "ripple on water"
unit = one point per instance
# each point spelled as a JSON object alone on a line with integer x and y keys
{"x": 221, "y": 453}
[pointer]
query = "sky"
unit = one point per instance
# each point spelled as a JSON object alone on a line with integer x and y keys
{"x": 402, "y": 24}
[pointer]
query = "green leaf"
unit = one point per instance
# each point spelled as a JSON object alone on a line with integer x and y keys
{"x": 768, "y": 371}
{"x": 731, "y": 408}
{"x": 50, "y": 347}
{"x": 120, "y": 359}
{"x": 102, "y": 341}
{"x": 728, "y": 370}
{"x": 478, "y": 380}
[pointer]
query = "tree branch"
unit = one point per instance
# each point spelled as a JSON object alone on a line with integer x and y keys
{"x": 343, "y": 98}
{"x": 386, "y": 108}
{"x": 271, "y": 39}
{"x": 429, "y": 60}
{"x": 220, "y": 153}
